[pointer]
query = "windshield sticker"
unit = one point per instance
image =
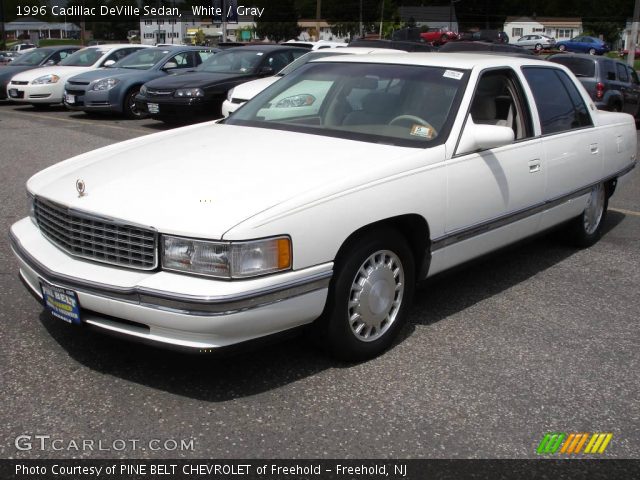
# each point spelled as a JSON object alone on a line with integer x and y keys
{"x": 421, "y": 131}
{"x": 453, "y": 74}
{"x": 259, "y": 54}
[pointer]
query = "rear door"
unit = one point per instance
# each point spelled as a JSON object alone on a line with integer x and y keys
{"x": 634, "y": 90}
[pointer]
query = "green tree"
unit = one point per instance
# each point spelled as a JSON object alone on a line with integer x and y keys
{"x": 278, "y": 22}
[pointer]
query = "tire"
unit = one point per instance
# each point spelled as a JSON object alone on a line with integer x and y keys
{"x": 369, "y": 297}
{"x": 586, "y": 229}
{"x": 443, "y": 39}
{"x": 129, "y": 108}
{"x": 592, "y": 51}
{"x": 538, "y": 47}
{"x": 562, "y": 48}
{"x": 615, "y": 107}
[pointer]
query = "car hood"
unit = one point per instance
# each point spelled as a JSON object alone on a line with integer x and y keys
{"x": 205, "y": 179}
{"x": 193, "y": 80}
{"x": 248, "y": 90}
{"x": 7, "y": 72}
{"x": 62, "y": 72}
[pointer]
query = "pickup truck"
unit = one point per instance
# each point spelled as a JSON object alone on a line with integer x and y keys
{"x": 283, "y": 216}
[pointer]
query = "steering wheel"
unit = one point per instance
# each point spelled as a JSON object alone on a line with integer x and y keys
{"x": 413, "y": 118}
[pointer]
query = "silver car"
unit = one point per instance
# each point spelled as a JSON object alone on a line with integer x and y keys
{"x": 536, "y": 42}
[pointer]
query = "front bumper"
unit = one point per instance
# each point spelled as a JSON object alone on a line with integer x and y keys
{"x": 173, "y": 309}
{"x": 178, "y": 108}
{"x": 47, "y": 93}
{"x": 91, "y": 100}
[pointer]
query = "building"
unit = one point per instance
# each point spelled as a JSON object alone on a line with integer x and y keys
{"x": 432, "y": 17}
{"x": 558, "y": 27}
{"x": 309, "y": 32}
{"x": 34, "y": 30}
{"x": 181, "y": 31}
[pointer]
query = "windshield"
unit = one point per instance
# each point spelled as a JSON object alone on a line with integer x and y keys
{"x": 380, "y": 103}
{"x": 307, "y": 57}
{"x": 142, "y": 59}
{"x": 232, "y": 61}
{"x": 83, "y": 58}
{"x": 33, "y": 58}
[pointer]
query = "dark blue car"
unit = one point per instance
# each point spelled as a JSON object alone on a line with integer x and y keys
{"x": 583, "y": 44}
{"x": 114, "y": 89}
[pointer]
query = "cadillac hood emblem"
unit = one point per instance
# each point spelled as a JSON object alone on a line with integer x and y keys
{"x": 80, "y": 187}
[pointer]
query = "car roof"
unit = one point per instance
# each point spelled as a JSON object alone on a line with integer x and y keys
{"x": 447, "y": 60}
{"x": 585, "y": 56}
{"x": 266, "y": 48}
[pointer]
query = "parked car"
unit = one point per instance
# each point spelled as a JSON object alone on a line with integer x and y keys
{"x": 484, "y": 47}
{"x": 438, "y": 36}
{"x": 393, "y": 45}
{"x": 115, "y": 89}
{"x": 493, "y": 36}
{"x": 46, "y": 56}
{"x": 220, "y": 233}
{"x": 7, "y": 56}
{"x": 239, "y": 95}
{"x": 583, "y": 44}
{"x": 22, "y": 47}
{"x": 199, "y": 93}
{"x": 45, "y": 86}
{"x": 319, "y": 45}
{"x": 613, "y": 85}
{"x": 537, "y": 42}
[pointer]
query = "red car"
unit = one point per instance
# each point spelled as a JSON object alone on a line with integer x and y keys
{"x": 438, "y": 36}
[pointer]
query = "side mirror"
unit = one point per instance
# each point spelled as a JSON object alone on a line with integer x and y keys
{"x": 170, "y": 66}
{"x": 108, "y": 63}
{"x": 48, "y": 63}
{"x": 266, "y": 71}
{"x": 481, "y": 137}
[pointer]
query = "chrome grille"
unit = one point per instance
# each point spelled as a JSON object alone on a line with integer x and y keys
{"x": 71, "y": 82}
{"x": 97, "y": 239}
{"x": 18, "y": 82}
{"x": 158, "y": 93}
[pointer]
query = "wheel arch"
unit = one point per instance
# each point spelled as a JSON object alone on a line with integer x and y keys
{"x": 413, "y": 227}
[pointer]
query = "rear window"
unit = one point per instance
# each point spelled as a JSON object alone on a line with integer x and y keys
{"x": 581, "y": 67}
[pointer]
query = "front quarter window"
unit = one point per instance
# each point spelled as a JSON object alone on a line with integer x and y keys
{"x": 405, "y": 105}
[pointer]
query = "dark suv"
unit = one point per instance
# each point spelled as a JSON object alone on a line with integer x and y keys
{"x": 612, "y": 84}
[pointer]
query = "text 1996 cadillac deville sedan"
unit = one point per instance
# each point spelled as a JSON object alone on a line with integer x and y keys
{"x": 406, "y": 165}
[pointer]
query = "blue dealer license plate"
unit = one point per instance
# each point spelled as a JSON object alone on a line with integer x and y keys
{"x": 62, "y": 303}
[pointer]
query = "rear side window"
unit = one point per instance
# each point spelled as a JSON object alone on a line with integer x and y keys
{"x": 622, "y": 72}
{"x": 560, "y": 105}
{"x": 581, "y": 67}
{"x": 609, "y": 71}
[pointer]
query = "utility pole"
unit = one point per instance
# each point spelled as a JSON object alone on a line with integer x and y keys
{"x": 2, "y": 36}
{"x": 318, "y": 17}
{"x": 634, "y": 34}
{"x": 361, "y": 26}
{"x": 381, "y": 18}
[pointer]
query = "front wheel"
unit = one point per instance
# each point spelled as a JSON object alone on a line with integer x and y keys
{"x": 592, "y": 51}
{"x": 562, "y": 48}
{"x": 129, "y": 107}
{"x": 369, "y": 297}
{"x": 586, "y": 229}
{"x": 538, "y": 47}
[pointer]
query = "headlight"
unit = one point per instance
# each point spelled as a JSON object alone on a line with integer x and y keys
{"x": 302, "y": 100}
{"x": 189, "y": 92}
{"x": 226, "y": 259}
{"x": 46, "y": 79}
{"x": 230, "y": 94}
{"x": 104, "y": 84}
{"x": 143, "y": 90}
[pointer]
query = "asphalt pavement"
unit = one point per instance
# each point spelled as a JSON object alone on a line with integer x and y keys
{"x": 537, "y": 338}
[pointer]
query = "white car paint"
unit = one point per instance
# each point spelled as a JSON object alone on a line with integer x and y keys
{"x": 318, "y": 190}
{"x": 52, "y": 93}
{"x": 244, "y": 92}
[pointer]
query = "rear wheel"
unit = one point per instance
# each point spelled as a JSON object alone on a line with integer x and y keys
{"x": 592, "y": 51}
{"x": 586, "y": 229}
{"x": 538, "y": 47}
{"x": 615, "y": 107}
{"x": 369, "y": 297}
{"x": 444, "y": 39}
{"x": 129, "y": 107}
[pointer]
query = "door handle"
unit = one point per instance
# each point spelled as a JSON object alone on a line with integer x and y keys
{"x": 594, "y": 148}
{"x": 534, "y": 165}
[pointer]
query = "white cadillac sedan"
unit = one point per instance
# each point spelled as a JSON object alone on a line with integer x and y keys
{"x": 44, "y": 86}
{"x": 411, "y": 164}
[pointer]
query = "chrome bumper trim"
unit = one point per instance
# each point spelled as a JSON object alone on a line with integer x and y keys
{"x": 183, "y": 304}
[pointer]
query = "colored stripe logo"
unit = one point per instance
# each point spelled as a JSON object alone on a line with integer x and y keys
{"x": 573, "y": 443}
